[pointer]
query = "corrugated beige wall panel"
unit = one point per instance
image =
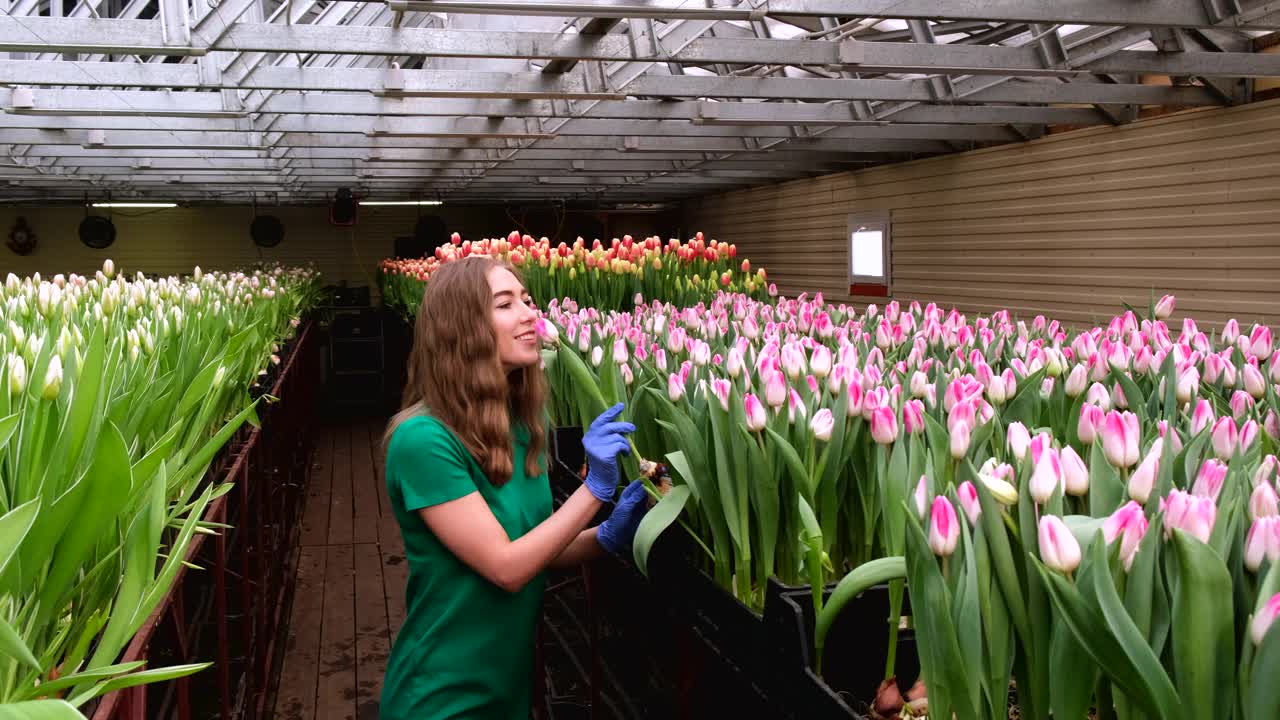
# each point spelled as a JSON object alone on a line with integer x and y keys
{"x": 1072, "y": 225}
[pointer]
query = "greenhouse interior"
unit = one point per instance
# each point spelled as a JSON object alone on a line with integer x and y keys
{"x": 629, "y": 359}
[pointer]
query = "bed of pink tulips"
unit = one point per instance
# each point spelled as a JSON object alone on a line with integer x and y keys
{"x": 1092, "y": 511}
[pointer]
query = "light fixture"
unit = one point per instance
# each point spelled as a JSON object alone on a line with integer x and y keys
{"x": 174, "y": 146}
{"x": 135, "y": 205}
{"x": 83, "y": 112}
{"x": 401, "y": 202}
{"x": 463, "y": 136}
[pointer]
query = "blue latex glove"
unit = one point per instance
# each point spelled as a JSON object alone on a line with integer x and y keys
{"x": 616, "y": 532}
{"x": 602, "y": 443}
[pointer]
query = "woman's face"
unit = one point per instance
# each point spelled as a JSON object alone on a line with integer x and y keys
{"x": 513, "y": 321}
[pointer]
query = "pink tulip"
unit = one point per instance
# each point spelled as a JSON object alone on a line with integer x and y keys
{"x": 856, "y": 403}
{"x": 1120, "y": 439}
{"x": 968, "y": 495}
{"x": 1098, "y": 395}
{"x": 1188, "y": 384}
{"x": 1209, "y": 480}
{"x": 756, "y": 417}
{"x": 1248, "y": 434}
{"x": 1143, "y": 479}
{"x": 1143, "y": 361}
{"x": 1263, "y": 502}
{"x": 1266, "y": 472}
{"x": 1194, "y": 515}
{"x": 1019, "y": 440}
{"x": 913, "y": 417}
{"x": 1260, "y": 341}
{"x": 1225, "y": 437}
{"x": 547, "y": 331}
{"x": 1258, "y": 541}
{"x": 960, "y": 439}
{"x": 820, "y": 361}
{"x": 1047, "y": 477}
{"x": 1241, "y": 405}
{"x": 775, "y": 389}
{"x": 1272, "y": 425}
{"x": 1058, "y": 547}
{"x": 884, "y": 425}
{"x": 944, "y": 527}
{"x": 1075, "y": 474}
{"x": 1213, "y": 367}
{"x": 1091, "y": 421}
{"x": 1230, "y": 332}
{"x": 796, "y": 406}
{"x": 734, "y": 363}
{"x": 1254, "y": 382}
{"x": 1164, "y": 307}
{"x": 1202, "y": 417}
{"x": 1273, "y": 367}
{"x": 921, "y": 496}
{"x": 620, "y": 355}
{"x": 720, "y": 388}
{"x": 1039, "y": 444}
{"x": 1130, "y": 524}
{"x": 1163, "y": 427}
{"x": 1077, "y": 381}
{"x": 1263, "y": 621}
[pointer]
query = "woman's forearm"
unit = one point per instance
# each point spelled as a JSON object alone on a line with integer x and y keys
{"x": 544, "y": 545}
{"x": 585, "y": 547}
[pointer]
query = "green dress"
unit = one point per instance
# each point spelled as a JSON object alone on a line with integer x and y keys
{"x": 466, "y": 647}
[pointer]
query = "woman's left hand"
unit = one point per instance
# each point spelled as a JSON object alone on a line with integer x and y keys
{"x": 616, "y": 532}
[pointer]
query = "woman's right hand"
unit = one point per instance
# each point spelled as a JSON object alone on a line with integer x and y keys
{"x": 602, "y": 443}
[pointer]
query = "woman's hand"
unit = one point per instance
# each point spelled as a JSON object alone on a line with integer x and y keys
{"x": 616, "y": 533}
{"x": 602, "y": 443}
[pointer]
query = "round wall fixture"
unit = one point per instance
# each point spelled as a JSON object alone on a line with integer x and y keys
{"x": 266, "y": 230}
{"x": 97, "y": 232}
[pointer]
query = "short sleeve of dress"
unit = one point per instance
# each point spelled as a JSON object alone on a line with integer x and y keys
{"x": 428, "y": 464}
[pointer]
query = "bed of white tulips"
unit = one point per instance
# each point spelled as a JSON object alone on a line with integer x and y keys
{"x": 1117, "y": 534}
{"x": 117, "y": 396}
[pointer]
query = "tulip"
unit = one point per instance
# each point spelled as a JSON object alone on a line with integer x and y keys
{"x": 52, "y": 379}
{"x": 919, "y": 381}
{"x": 1019, "y": 440}
{"x": 796, "y": 405}
{"x": 597, "y": 356}
{"x": 944, "y": 527}
{"x": 734, "y": 364}
{"x": 1265, "y": 618}
{"x": 1091, "y": 421}
{"x": 775, "y": 389}
{"x": 1164, "y": 307}
{"x": 1260, "y": 341}
{"x": 1263, "y": 502}
{"x": 822, "y": 424}
{"x": 820, "y": 361}
{"x": 109, "y": 269}
{"x": 1209, "y": 480}
{"x": 1143, "y": 479}
{"x": 620, "y": 354}
{"x": 17, "y": 375}
{"x": 992, "y": 477}
{"x": 1046, "y": 478}
{"x": 855, "y": 405}
{"x": 1130, "y": 524}
{"x": 1077, "y": 381}
{"x": 720, "y": 388}
{"x": 1254, "y": 382}
{"x": 1266, "y": 472}
{"x": 884, "y": 425}
{"x": 1241, "y": 404}
{"x": 1098, "y": 395}
{"x": 1188, "y": 383}
{"x": 1075, "y": 474}
{"x": 913, "y": 417}
{"x": 921, "y": 496}
{"x": 1120, "y": 438}
{"x": 1194, "y": 515}
{"x": 1039, "y": 444}
{"x": 968, "y": 495}
{"x": 1058, "y": 547}
{"x": 1248, "y": 435}
{"x": 1202, "y": 417}
{"x": 675, "y": 387}
{"x": 547, "y": 331}
{"x": 960, "y": 439}
{"x": 1258, "y": 541}
{"x": 1225, "y": 437}
{"x": 1230, "y": 332}
{"x": 755, "y": 412}
{"x": 1272, "y": 425}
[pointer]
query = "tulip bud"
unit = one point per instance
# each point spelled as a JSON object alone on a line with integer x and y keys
{"x": 1265, "y": 618}
{"x": 756, "y": 417}
{"x": 1225, "y": 437}
{"x": 968, "y": 495}
{"x": 1260, "y": 341}
{"x": 1254, "y": 382}
{"x": 1263, "y": 502}
{"x": 1143, "y": 479}
{"x": 675, "y": 388}
{"x": 775, "y": 389}
{"x": 919, "y": 381}
{"x": 547, "y": 331}
{"x": 1202, "y": 417}
{"x": 822, "y": 424}
{"x": 1000, "y": 489}
{"x": 961, "y": 436}
{"x": 944, "y": 527}
{"x": 1130, "y": 524}
{"x": 734, "y": 363}
{"x": 1188, "y": 384}
{"x": 1046, "y": 477}
{"x": 884, "y": 425}
{"x": 1248, "y": 434}
{"x": 1019, "y": 440}
{"x": 1091, "y": 421}
{"x": 620, "y": 354}
{"x": 17, "y": 375}
{"x": 1194, "y": 515}
{"x": 1075, "y": 474}
{"x": 52, "y": 379}
{"x": 1266, "y": 472}
{"x": 1258, "y": 540}
{"x": 921, "y": 496}
{"x": 1077, "y": 381}
{"x": 720, "y": 388}
{"x": 1098, "y": 395}
{"x": 1272, "y": 425}
{"x": 628, "y": 377}
{"x": 597, "y": 356}
{"x": 1058, "y": 547}
{"x": 820, "y": 361}
{"x": 1120, "y": 438}
{"x": 1209, "y": 480}
{"x": 1164, "y": 307}
{"x": 109, "y": 268}
{"x": 220, "y": 375}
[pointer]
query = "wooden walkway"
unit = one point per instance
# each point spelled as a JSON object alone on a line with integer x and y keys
{"x": 349, "y": 599}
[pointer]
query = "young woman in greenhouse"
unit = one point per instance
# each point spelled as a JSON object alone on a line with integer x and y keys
{"x": 466, "y": 473}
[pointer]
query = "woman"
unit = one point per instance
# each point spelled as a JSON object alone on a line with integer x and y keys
{"x": 467, "y": 480}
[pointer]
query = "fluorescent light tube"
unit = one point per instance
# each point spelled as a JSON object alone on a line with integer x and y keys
{"x": 401, "y": 202}
{"x": 135, "y": 205}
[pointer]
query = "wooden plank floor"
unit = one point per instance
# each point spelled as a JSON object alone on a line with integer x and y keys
{"x": 349, "y": 599}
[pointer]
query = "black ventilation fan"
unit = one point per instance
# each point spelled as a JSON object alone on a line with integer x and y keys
{"x": 97, "y": 232}
{"x": 266, "y": 230}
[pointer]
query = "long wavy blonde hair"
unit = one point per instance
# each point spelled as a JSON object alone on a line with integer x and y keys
{"x": 456, "y": 376}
